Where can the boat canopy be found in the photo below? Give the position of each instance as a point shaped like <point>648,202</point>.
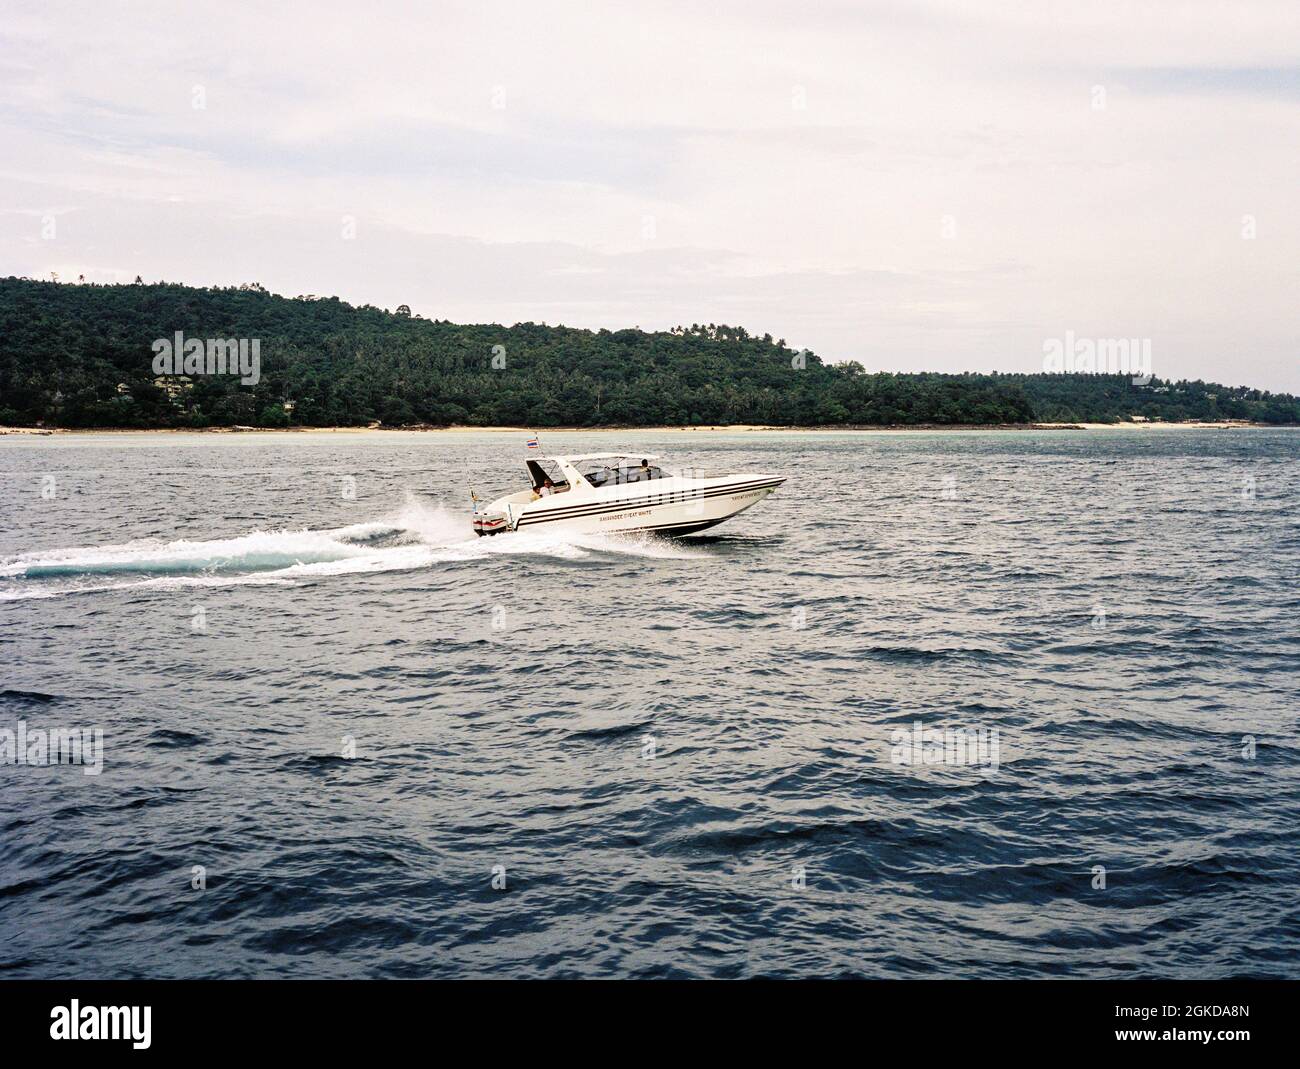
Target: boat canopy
<point>602,469</point>
<point>608,456</point>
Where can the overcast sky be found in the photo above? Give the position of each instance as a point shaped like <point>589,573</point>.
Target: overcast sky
<point>914,185</point>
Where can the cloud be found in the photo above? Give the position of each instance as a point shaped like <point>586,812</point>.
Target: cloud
<point>915,185</point>
<point>1280,82</point>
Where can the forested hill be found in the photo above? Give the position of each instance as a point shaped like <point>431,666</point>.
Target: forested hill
<point>81,356</point>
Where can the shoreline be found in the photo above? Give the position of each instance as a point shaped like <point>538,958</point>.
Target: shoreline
<point>726,428</point>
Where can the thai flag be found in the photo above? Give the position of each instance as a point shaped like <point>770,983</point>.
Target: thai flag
<point>533,443</point>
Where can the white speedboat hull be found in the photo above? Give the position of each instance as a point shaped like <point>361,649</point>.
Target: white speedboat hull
<point>667,504</point>
<point>696,505</point>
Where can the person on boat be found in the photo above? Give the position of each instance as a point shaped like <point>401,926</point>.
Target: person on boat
<point>545,490</point>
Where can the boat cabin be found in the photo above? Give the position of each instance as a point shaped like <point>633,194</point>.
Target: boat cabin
<point>602,469</point>
<point>540,470</point>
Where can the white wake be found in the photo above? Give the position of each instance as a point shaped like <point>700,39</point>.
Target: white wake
<point>416,536</point>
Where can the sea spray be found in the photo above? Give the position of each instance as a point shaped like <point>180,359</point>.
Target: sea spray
<point>417,535</point>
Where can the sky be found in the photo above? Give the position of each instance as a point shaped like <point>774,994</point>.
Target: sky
<point>914,185</point>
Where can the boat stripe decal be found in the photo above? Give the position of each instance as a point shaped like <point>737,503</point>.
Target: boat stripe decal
<point>673,498</point>
<point>597,508</point>
<point>584,515</point>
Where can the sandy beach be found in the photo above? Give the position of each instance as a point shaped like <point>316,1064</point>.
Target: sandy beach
<point>733,428</point>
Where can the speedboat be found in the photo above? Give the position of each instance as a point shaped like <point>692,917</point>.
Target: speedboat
<point>619,492</point>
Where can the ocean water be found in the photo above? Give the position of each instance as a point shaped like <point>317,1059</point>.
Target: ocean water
<point>342,737</point>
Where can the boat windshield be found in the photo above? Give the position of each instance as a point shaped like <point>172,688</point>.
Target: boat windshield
<point>618,472</point>
<point>540,470</point>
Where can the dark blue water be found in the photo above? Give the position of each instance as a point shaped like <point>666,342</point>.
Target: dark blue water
<point>679,757</point>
